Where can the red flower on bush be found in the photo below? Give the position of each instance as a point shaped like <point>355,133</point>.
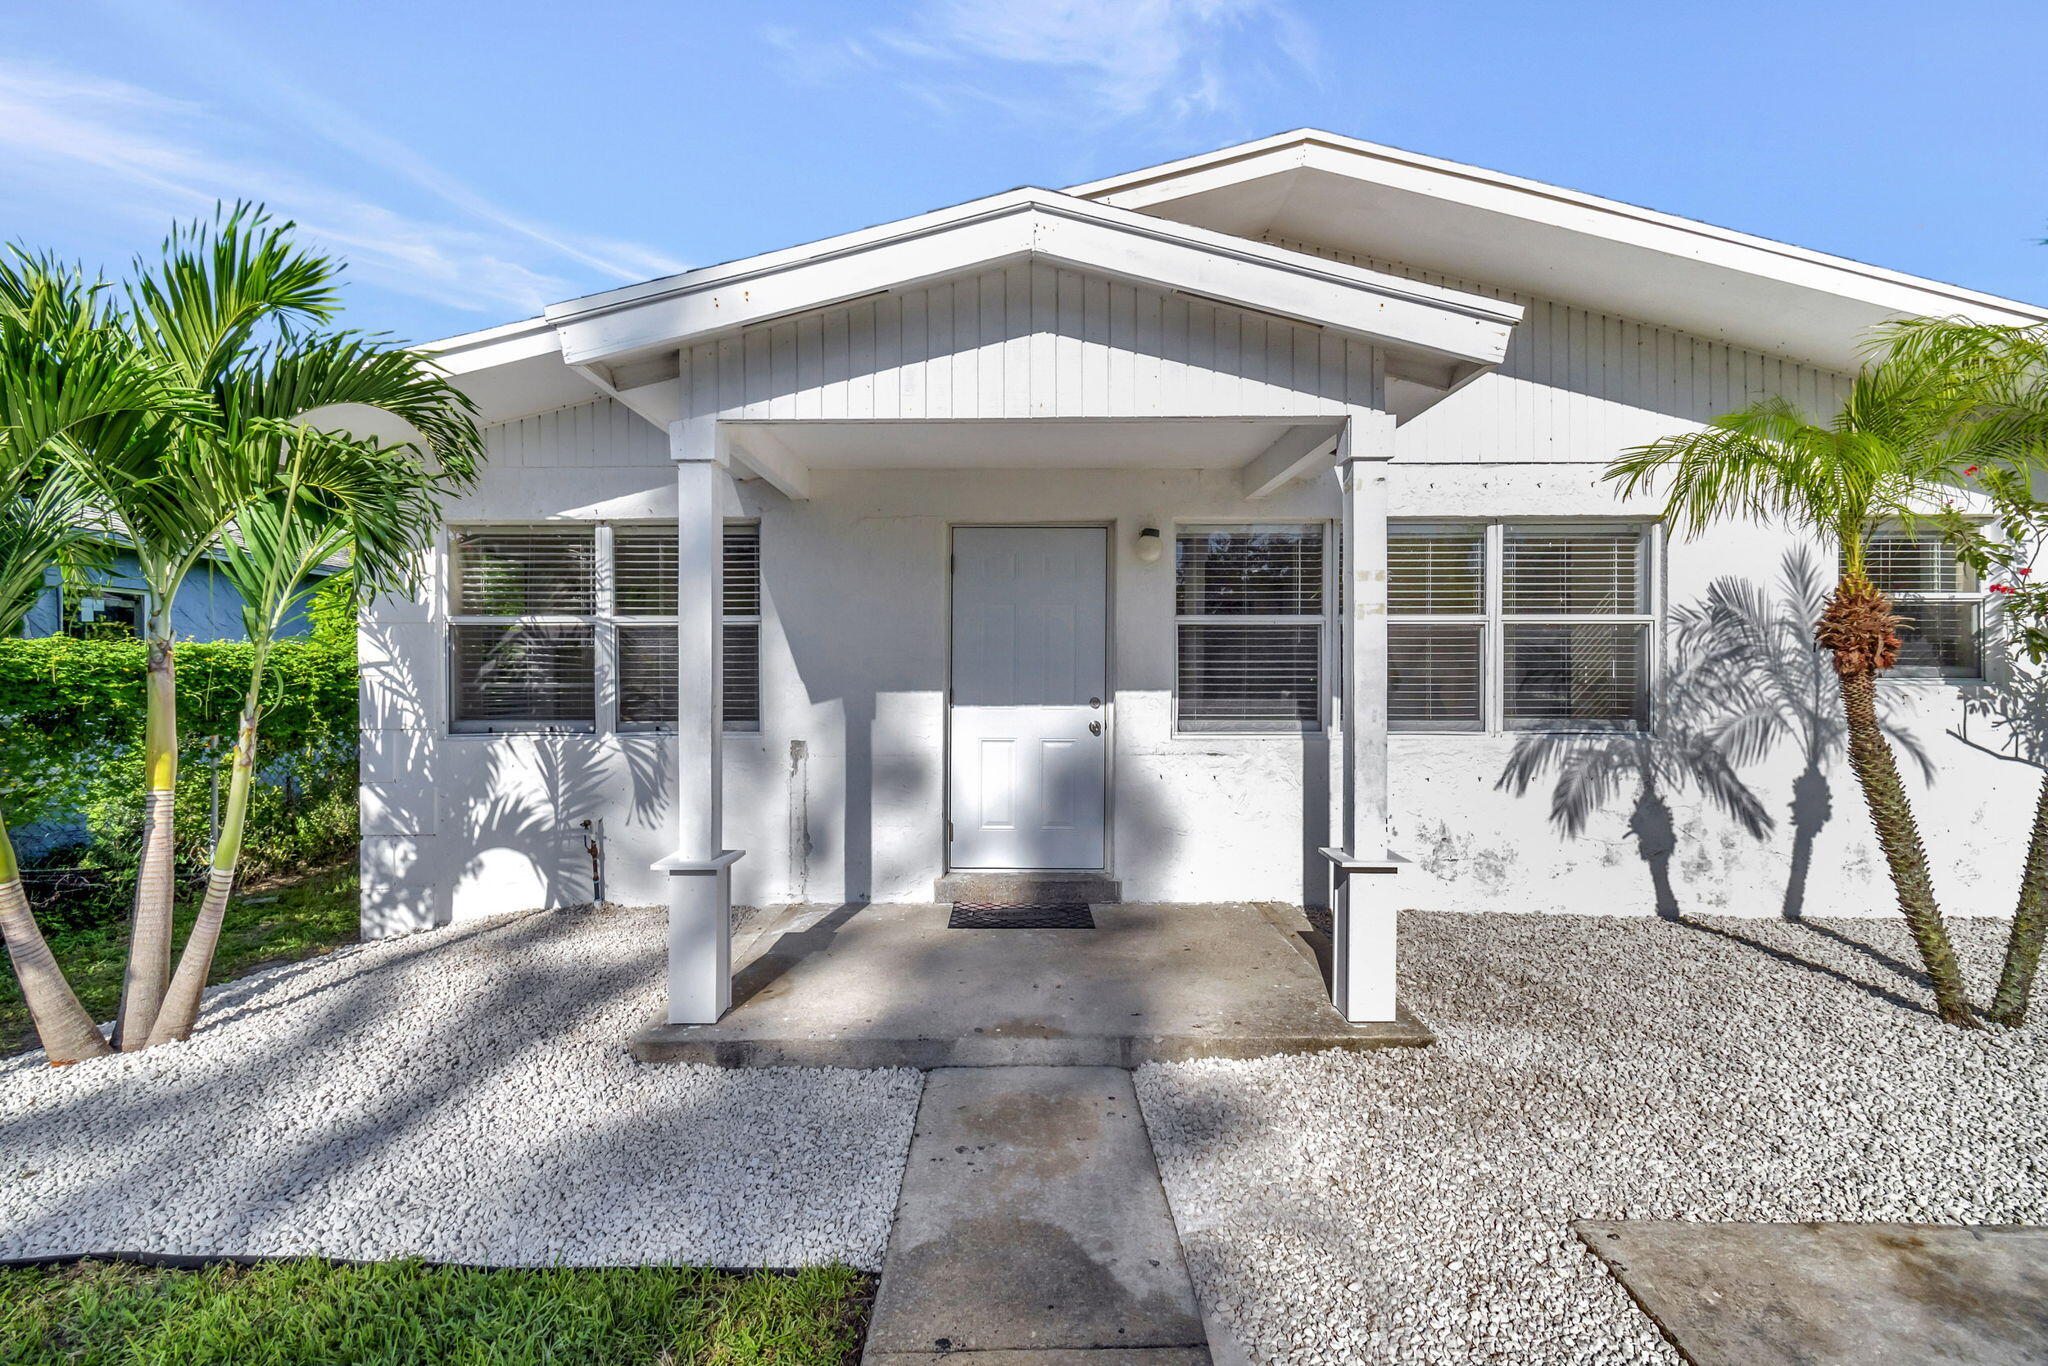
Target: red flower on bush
<point>1971,473</point>
<point>2003,588</point>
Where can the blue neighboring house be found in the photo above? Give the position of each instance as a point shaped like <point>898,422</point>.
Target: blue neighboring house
<point>208,607</point>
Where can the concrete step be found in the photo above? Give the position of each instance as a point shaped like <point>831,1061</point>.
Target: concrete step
<point>1029,889</point>
<point>1032,1224</point>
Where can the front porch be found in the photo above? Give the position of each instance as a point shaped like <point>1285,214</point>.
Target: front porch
<point>892,986</point>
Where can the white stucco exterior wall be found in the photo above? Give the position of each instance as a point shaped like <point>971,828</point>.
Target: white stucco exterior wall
<point>841,794</point>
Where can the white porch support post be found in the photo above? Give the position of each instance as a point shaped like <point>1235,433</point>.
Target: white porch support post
<point>1362,904</point>
<point>700,870</point>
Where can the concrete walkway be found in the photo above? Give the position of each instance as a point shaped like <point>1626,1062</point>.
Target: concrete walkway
<point>892,986</point>
<point>1032,1228</point>
<point>1836,1294</point>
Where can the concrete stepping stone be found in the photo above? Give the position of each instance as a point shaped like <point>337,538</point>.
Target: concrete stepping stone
<point>1032,1225</point>
<point>1836,1294</point>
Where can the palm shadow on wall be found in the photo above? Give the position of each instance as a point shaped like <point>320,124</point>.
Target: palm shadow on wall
<point>1742,679</point>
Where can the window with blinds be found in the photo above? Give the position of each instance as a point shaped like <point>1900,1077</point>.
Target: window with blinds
<point>1517,626</point>
<point>1938,598</point>
<point>1250,617</point>
<point>1436,637</point>
<point>534,625</point>
<point>522,640</point>
<point>742,626</point>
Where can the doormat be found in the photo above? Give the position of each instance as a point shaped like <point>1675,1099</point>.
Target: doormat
<point>979,915</point>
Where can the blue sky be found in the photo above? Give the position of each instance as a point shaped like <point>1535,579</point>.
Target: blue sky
<point>474,162</point>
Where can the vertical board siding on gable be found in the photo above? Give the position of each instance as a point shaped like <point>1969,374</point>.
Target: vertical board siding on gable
<point>1581,386</point>
<point>1028,340</point>
<point>588,436</point>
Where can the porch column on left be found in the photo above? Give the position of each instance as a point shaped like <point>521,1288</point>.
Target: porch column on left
<point>700,869</point>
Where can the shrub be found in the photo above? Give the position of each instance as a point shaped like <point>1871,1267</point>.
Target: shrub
<point>71,747</point>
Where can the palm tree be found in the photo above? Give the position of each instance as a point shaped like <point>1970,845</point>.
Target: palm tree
<point>1902,440</point>
<point>374,503</point>
<point>2008,367</point>
<point>223,312</point>
<point>66,372</point>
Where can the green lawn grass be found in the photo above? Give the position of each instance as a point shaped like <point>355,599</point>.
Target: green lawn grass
<point>305,1312</point>
<point>289,920</point>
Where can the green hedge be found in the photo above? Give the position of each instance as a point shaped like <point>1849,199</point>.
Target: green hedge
<point>71,723</point>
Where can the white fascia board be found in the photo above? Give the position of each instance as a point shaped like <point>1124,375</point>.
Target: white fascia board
<point>1468,328</point>
<point>1551,206</point>
<point>494,346</point>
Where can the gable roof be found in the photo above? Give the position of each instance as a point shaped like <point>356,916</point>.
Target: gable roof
<point>1388,205</point>
<point>610,332</point>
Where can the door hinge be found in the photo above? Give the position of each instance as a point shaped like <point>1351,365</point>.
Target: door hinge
<point>949,832</point>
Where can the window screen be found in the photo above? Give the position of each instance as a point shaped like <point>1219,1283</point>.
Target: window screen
<point>533,625</point>
<point>1938,598</point>
<point>1436,641</point>
<point>1250,620</point>
<point>1573,672</point>
<point>522,650</point>
<point>1517,626</point>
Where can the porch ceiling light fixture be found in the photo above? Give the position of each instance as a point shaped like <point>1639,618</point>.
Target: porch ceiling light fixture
<point>1151,545</point>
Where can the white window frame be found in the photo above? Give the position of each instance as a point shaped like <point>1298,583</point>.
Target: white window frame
<point>1326,662</point>
<point>1494,619</point>
<point>1982,624</point>
<point>605,623</point>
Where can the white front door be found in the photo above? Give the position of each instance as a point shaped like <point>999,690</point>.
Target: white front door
<point>1030,674</point>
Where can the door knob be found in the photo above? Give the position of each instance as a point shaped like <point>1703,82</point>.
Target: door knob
<point>1095,728</point>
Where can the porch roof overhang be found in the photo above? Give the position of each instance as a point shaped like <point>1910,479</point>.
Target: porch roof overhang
<point>1385,204</point>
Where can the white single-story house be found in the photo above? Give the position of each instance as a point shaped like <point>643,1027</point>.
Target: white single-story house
<point>1229,530</point>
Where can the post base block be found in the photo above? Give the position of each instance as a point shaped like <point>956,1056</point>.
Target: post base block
<point>1364,936</point>
<point>699,936</point>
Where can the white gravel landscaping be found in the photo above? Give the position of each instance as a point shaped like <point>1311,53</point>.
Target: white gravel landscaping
<point>462,1095</point>
<point>1412,1205</point>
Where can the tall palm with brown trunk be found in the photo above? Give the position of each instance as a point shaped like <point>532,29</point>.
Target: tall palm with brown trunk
<point>225,311</point>
<point>1898,447</point>
<point>67,372</point>
<point>2008,367</point>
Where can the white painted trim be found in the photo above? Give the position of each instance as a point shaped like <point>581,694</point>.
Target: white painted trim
<point>1295,455</point>
<point>760,450</point>
<point>1469,330</point>
<point>1551,205</point>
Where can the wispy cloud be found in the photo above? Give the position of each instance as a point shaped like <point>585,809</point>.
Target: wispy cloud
<point>118,148</point>
<point>1087,62</point>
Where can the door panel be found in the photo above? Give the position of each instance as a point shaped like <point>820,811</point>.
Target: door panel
<point>1030,673</point>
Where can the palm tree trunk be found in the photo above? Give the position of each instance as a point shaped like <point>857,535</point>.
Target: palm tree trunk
<point>149,936</point>
<point>67,1033</point>
<point>2029,925</point>
<point>180,1009</point>
<point>1898,834</point>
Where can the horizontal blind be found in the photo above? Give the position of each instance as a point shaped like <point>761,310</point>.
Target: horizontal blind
<point>1899,561</point>
<point>1436,570</point>
<point>1592,673</point>
<point>524,673</point>
<point>644,568</point>
<point>742,675</point>
<point>1249,571</point>
<point>1434,677</point>
<point>1246,677</point>
<point>742,570</point>
<point>647,675</point>
<point>525,573</point>
<point>1573,570</point>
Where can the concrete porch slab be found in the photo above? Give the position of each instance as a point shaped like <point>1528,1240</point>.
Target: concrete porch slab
<point>891,986</point>
<point>1835,1294</point>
